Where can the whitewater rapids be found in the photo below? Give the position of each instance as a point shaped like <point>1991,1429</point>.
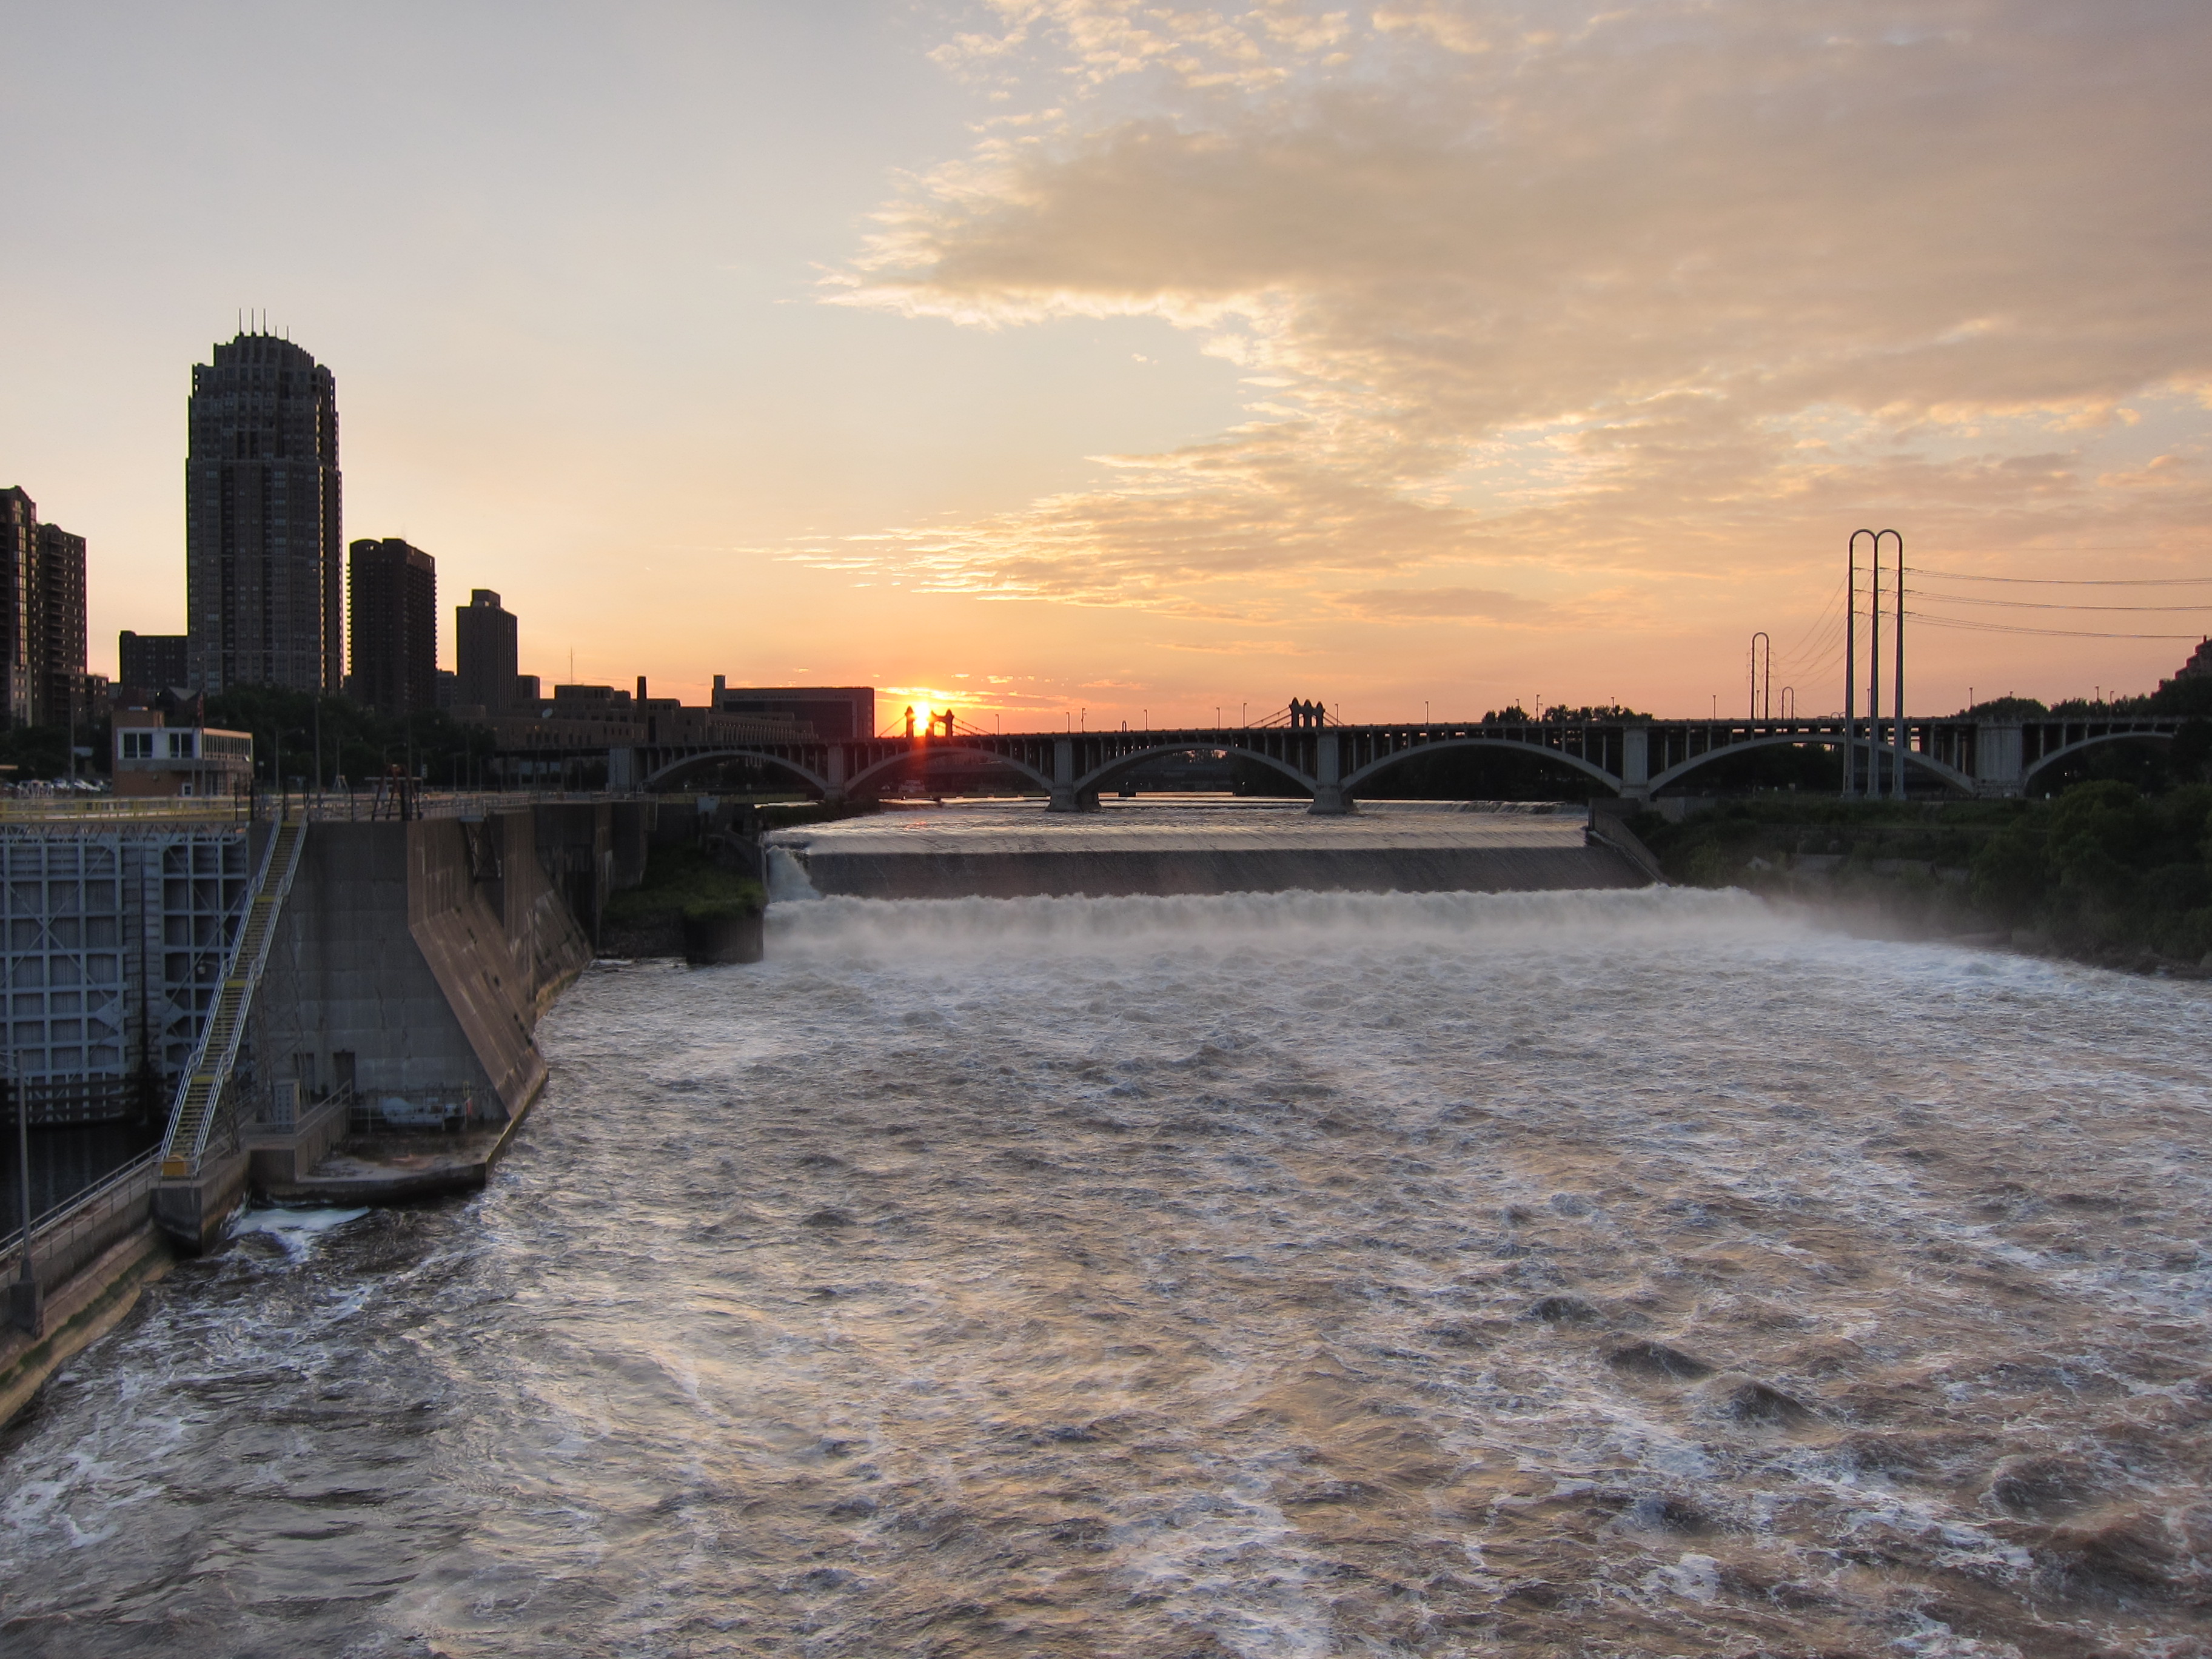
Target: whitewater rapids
<point>1294,1274</point>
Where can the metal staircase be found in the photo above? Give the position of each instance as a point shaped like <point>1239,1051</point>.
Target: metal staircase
<point>200,1089</point>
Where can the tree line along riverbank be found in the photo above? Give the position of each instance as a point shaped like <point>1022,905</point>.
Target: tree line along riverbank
<point>2106,872</point>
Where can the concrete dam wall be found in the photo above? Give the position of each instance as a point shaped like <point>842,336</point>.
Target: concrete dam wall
<point>409,960</point>
<point>1010,854</point>
<point>1117,873</point>
<point>418,957</point>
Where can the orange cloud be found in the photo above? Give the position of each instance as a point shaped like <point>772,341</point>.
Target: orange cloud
<point>1652,289</point>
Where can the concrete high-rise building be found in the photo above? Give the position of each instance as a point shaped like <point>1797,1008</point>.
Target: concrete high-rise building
<point>485,653</point>
<point>59,690</point>
<point>393,591</point>
<point>42,674</point>
<point>263,586</point>
<point>150,662</point>
<point>19,563</point>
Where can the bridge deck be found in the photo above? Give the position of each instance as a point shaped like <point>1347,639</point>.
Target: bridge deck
<point>1632,756</point>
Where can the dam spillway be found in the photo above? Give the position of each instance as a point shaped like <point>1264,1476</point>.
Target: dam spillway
<point>995,850</point>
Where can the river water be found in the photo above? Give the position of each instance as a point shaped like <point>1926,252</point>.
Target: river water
<point>1629,1273</point>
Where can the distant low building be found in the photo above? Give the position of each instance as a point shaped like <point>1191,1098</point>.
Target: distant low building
<point>668,722</point>
<point>152,756</point>
<point>830,711</point>
<point>2199,665</point>
<point>539,739</point>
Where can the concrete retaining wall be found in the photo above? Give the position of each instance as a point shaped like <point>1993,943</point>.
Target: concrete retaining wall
<point>279,1160</point>
<point>66,1245</point>
<point>418,955</point>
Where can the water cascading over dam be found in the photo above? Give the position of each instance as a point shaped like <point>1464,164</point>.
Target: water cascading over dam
<point>1214,846</point>
<point>1258,1274</point>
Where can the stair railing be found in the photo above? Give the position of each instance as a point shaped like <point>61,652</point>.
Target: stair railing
<point>187,1138</point>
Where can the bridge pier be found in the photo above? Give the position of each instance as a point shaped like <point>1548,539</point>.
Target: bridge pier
<point>1330,800</point>
<point>1066,797</point>
<point>1999,760</point>
<point>1635,763</point>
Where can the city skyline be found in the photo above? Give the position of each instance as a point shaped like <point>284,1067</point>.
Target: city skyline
<point>1037,358</point>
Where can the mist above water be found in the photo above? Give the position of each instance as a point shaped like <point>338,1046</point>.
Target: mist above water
<point>1289,1274</point>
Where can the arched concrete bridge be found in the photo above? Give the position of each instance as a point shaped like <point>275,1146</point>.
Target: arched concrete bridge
<point>1633,758</point>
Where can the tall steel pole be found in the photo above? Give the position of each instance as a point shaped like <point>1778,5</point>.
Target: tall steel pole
<point>1897,650</point>
<point>1851,661</point>
<point>1874,675</point>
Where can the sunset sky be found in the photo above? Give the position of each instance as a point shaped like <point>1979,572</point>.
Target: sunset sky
<point>1046,356</point>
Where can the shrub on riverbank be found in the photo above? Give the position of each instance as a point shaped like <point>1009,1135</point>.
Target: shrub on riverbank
<point>2103,868</point>
<point>680,883</point>
<point>2104,865</point>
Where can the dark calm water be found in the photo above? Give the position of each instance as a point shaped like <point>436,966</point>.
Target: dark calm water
<point>1619,1273</point>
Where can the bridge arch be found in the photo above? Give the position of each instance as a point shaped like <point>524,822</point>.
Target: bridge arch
<point>860,779</point>
<point>1386,761</point>
<point>1950,774</point>
<point>812,779</point>
<point>1092,782</point>
<point>2064,751</point>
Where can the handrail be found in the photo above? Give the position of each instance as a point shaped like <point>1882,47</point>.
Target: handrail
<point>46,1220</point>
<point>44,1229</point>
<point>226,1020</point>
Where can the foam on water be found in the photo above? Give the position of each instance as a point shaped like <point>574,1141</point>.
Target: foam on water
<point>293,1229</point>
<point>1299,1273</point>
<point>924,931</point>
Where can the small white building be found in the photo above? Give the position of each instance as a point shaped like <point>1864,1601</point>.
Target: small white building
<point>153,757</point>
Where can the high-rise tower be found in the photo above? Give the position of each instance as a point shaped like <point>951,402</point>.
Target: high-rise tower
<point>264,584</point>
<point>19,563</point>
<point>58,691</point>
<point>42,677</point>
<point>484,652</point>
<point>394,590</point>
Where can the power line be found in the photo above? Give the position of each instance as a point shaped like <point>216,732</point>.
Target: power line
<point>2033,604</point>
<point>2049,632</point>
<point>1820,642</point>
<point>2070,581</point>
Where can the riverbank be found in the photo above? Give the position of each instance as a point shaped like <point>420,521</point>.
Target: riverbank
<point>2103,874</point>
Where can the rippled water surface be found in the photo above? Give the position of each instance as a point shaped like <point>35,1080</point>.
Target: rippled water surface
<point>1620,1273</point>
